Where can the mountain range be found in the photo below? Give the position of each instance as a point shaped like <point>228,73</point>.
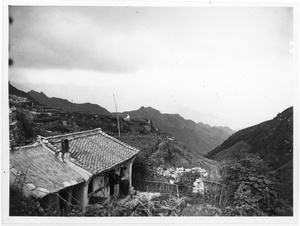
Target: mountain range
<point>198,137</point>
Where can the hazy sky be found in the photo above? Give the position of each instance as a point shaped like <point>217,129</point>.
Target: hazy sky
<point>226,66</point>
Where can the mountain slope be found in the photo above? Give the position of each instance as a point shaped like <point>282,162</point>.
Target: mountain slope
<point>66,105</point>
<point>13,90</point>
<point>271,140</point>
<point>285,175</point>
<point>200,138</point>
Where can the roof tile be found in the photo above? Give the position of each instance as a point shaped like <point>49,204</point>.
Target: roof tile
<point>44,172</point>
<point>94,150</point>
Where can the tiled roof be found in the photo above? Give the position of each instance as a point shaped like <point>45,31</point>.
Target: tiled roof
<point>44,172</point>
<point>93,150</point>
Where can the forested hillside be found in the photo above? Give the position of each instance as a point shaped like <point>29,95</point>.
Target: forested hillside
<point>271,140</point>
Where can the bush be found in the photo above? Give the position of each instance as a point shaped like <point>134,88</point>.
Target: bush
<point>21,205</point>
<point>252,188</point>
<point>26,124</point>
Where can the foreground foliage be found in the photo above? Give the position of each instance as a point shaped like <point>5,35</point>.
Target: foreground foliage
<point>251,188</point>
<point>167,205</point>
<point>20,205</point>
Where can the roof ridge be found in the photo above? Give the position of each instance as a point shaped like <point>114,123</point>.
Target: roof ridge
<point>37,143</point>
<point>86,133</point>
<point>118,141</point>
<point>70,134</point>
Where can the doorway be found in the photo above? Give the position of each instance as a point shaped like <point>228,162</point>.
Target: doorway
<point>111,178</point>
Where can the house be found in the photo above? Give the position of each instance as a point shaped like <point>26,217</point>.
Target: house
<point>103,164</point>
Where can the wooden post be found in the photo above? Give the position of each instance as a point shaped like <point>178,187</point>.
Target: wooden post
<point>221,197</point>
<point>117,116</point>
<point>58,201</point>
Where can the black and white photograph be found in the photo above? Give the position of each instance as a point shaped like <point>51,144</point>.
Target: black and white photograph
<point>150,112</point>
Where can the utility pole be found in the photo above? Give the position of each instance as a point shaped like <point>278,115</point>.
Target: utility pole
<point>117,116</point>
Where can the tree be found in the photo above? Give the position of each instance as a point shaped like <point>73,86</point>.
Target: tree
<point>26,125</point>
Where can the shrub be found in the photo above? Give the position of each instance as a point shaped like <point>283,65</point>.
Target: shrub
<point>21,205</point>
<point>252,188</point>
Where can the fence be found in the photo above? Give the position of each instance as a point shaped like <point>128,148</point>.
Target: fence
<point>154,186</point>
<point>213,190</point>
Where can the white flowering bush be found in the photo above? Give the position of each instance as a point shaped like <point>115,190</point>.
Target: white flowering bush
<point>198,186</point>
<point>186,177</point>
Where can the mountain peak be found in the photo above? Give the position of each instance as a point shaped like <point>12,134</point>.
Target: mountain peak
<point>66,105</point>
<point>41,94</point>
<point>151,109</point>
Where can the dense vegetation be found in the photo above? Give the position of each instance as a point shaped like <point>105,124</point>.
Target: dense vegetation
<point>272,144</point>
<point>158,150</point>
<point>252,188</point>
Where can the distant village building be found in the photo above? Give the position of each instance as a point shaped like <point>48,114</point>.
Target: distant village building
<point>148,126</point>
<point>74,168</point>
<point>150,122</point>
<point>127,118</point>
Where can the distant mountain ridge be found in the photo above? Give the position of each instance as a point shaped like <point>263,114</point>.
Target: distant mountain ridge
<point>66,105</point>
<point>199,137</point>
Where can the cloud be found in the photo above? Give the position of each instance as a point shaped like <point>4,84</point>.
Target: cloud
<point>125,39</point>
<point>47,37</point>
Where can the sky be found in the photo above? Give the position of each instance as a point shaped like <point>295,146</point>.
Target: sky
<point>223,66</point>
